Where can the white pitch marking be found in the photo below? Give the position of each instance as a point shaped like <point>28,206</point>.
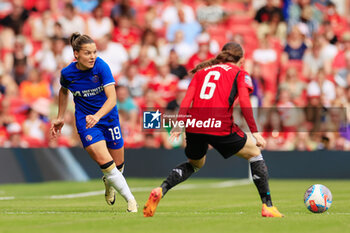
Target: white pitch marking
<point>223,184</point>
<point>76,195</point>
<point>6,198</point>
<point>40,212</point>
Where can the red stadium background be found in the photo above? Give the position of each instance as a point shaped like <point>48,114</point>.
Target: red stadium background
<point>297,52</point>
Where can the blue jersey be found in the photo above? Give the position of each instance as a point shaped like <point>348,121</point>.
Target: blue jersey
<point>87,86</point>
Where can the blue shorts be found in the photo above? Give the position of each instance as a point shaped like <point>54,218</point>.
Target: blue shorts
<point>107,129</point>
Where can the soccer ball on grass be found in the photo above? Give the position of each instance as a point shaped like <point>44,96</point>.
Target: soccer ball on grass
<point>318,198</point>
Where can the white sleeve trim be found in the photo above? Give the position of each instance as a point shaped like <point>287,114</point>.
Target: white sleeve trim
<point>109,84</point>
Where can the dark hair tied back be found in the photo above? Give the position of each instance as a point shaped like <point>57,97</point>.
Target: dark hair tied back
<point>231,52</point>
<point>77,40</point>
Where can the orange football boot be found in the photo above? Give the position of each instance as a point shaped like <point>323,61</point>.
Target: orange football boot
<point>150,207</point>
<point>271,211</point>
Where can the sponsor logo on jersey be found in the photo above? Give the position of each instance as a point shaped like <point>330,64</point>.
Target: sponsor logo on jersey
<point>89,92</point>
<point>151,120</point>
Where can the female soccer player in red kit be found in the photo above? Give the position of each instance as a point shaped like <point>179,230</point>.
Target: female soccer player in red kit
<point>215,86</point>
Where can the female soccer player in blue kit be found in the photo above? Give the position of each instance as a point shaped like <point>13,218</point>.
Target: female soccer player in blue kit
<point>91,82</point>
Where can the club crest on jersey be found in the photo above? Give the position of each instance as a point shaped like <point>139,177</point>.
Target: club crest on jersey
<point>248,80</point>
<point>88,138</point>
<point>95,79</point>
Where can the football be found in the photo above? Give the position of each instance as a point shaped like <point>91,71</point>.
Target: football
<point>318,198</point>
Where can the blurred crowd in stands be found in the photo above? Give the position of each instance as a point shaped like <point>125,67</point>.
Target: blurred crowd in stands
<point>297,52</point>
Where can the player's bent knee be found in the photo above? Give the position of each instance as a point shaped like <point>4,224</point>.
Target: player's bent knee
<point>254,152</point>
<point>99,153</point>
<point>253,155</point>
<point>249,151</point>
<point>197,164</point>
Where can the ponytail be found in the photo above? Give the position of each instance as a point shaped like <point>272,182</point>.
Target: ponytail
<point>231,52</point>
<point>204,64</point>
<point>73,37</point>
<point>77,40</point>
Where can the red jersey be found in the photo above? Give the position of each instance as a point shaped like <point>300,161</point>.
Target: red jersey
<point>212,93</point>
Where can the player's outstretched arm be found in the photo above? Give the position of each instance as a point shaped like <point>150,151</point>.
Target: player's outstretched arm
<point>244,101</point>
<point>246,107</point>
<point>58,123</point>
<point>244,85</point>
<point>111,101</point>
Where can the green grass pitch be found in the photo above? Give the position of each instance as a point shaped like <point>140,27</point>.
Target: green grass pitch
<point>198,205</point>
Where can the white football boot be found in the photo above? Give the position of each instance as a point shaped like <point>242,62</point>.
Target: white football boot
<point>109,192</point>
<point>132,206</point>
